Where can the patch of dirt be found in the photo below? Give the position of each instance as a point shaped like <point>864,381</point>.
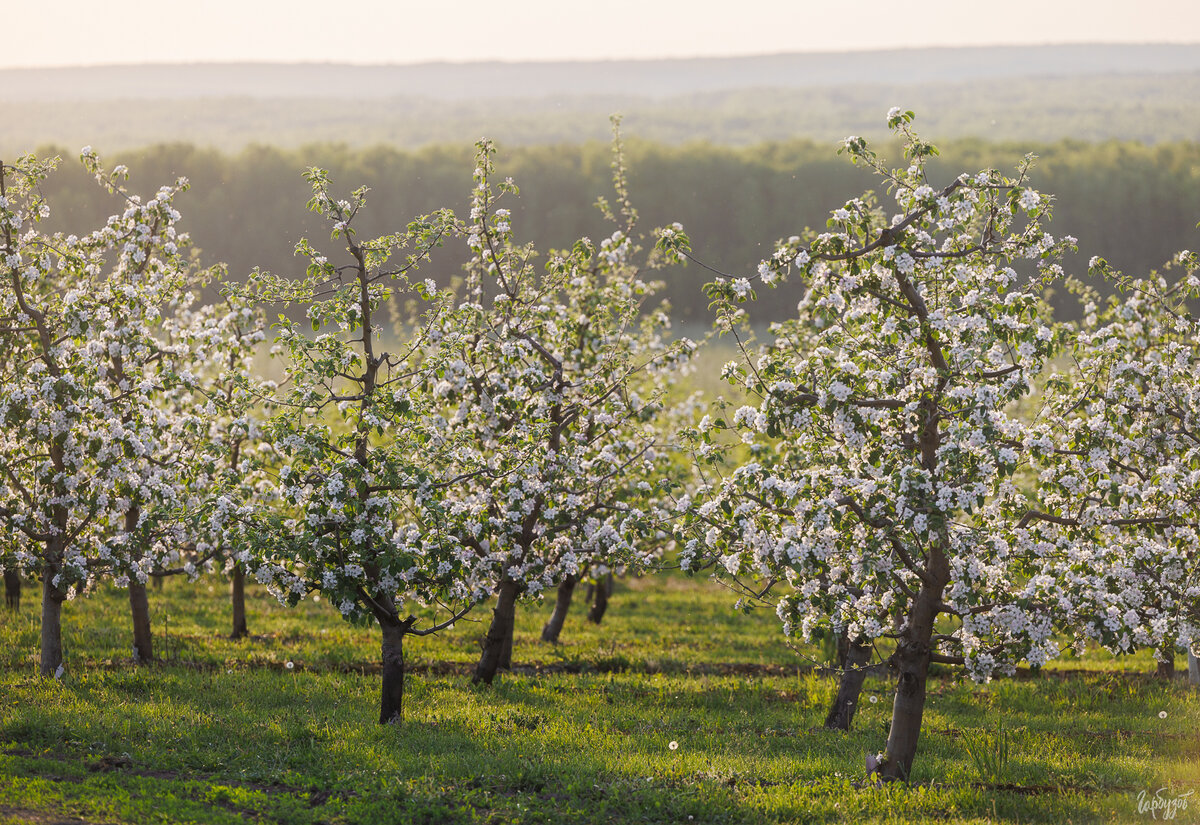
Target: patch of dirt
<point>111,762</point>
<point>122,763</point>
<point>43,817</point>
<point>1042,790</point>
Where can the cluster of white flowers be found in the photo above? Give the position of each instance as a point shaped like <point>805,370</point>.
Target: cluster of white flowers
<point>557,389</point>
<point>105,451</point>
<point>1128,474</point>
<point>891,475</point>
<point>506,441</point>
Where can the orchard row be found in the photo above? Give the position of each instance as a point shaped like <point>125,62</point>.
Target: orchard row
<point>928,464</point>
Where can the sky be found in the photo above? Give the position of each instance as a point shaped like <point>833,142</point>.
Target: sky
<point>87,32</point>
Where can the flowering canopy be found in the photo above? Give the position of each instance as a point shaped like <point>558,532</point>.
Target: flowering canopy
<point>361,464</point>
<point>883,445</point>
<point>100,437</point>
<point>234,402</point>
<point>556,378</point>
<point>1124,485</point>
<point>88,431</point>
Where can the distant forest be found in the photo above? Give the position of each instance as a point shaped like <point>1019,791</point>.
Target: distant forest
<point>1132,203</point>
<point>1150,108</point>
<point>1148,93</point>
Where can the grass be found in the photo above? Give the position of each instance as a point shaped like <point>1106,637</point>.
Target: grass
<point>222,732</point>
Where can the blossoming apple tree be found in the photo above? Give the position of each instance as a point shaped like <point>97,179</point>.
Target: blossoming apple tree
<point>93,467</point>
<point>364,461</point>
<point>557,376</point>
<point>1125,484</point>
<point>883,491</point>
<point>233,401</point>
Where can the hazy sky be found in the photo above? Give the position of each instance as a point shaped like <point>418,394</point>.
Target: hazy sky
<point>84,32</point>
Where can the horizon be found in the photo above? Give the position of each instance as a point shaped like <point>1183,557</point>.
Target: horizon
<point>554,60</point>
<point>386,32</point>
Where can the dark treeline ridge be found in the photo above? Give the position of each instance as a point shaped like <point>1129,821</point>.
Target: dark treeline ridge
<point>1131,203</point>
<point>654,77</point>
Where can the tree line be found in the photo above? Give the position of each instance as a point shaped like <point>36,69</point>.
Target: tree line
<point>1132,203</point>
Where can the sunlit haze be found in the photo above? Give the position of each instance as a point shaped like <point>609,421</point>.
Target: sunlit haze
<point>391,31</point>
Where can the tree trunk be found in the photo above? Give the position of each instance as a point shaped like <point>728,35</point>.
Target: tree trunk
<point>854,672</point>
<point>562,604</point>
<point>139,604</point>
<point>52,599</point>
<point>911,662</point>
<point>843,650</point>
<point>603,590</point>
<point>139,608</point>
<point>506,650</point>
<point>12,588</point>
<point>391,701</point>
<point>1166,665</point>
<point>237,590</point>
<point>499,634</point>
<point>1193,669</point>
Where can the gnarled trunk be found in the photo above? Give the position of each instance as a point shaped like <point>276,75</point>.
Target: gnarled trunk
<point>139,609</point>
<point>854,671</point>
<point>562,604</point>
<point>237,592</point>
<point>1166,665</point>
<point>391,701</point>
<point>602,591</point>
<point>497,646</point>
<point>12,588</point>
<point>52,599</point>
<point>911,663</point>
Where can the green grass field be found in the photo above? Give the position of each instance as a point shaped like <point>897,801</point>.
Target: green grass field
<point>223,731</point>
